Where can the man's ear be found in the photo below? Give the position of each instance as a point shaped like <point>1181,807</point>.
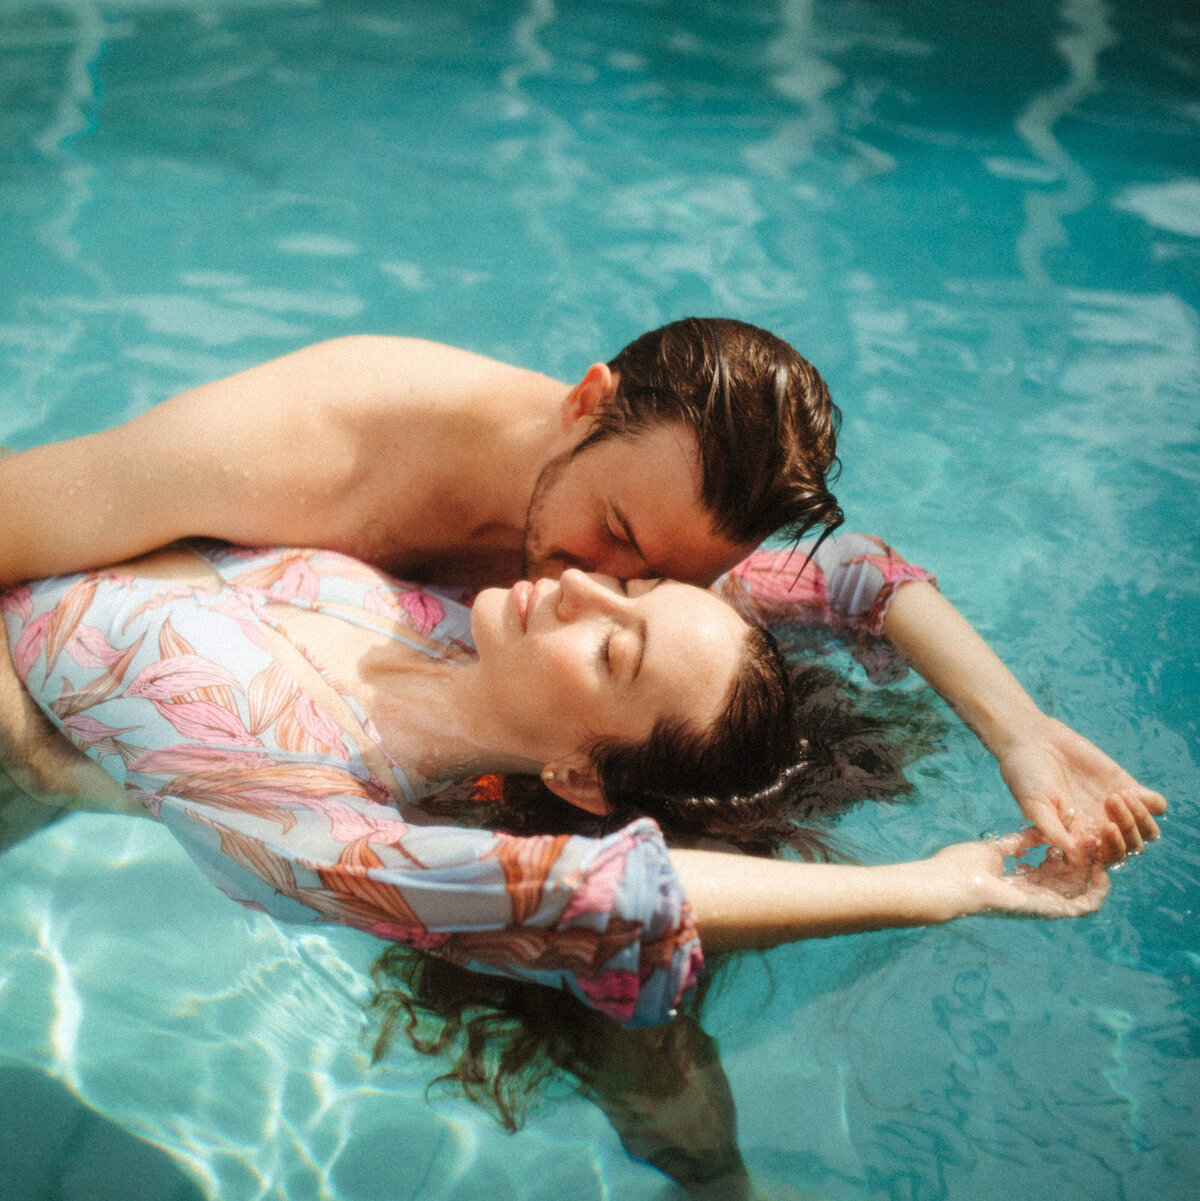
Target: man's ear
<point>598,385</point>
<point>578,786</point>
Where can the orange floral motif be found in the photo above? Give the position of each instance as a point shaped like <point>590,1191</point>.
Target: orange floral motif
<point>66,615</point>
<point>488,790</point>
<point>527,863</point>
<point>271,790</point>
<point>270,692</point>
<point>304,728</point>
<point>370,901</point>
<point>578,950</point>
<point>75,700</point>
<point>254,856</point>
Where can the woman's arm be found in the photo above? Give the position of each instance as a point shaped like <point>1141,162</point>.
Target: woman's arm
<point>743,902</point>
<point>1086,803</point>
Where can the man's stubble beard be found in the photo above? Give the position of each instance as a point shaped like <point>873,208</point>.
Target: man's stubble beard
<point>534,553</point>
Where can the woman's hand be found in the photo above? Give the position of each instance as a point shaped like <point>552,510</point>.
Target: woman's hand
<point>973,873</point>
<point>1086,804</point>
<point>742,901</point>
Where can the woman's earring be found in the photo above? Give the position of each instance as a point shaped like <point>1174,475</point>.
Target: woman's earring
<point>547,776</point>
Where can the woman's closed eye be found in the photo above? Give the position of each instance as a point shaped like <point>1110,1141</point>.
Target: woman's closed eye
<point>606,651</point>
<point>622,650</point>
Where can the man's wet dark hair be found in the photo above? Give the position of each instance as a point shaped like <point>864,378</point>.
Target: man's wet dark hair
<point>762,416</point>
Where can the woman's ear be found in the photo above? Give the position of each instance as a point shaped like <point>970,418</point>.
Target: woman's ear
<point>578,786</point>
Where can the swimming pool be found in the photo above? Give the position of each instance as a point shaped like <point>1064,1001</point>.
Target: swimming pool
<point>982,223</point>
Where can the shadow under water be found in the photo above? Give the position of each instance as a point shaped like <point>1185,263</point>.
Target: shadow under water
<point>53,1146</point>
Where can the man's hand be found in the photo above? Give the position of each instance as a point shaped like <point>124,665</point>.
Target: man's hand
<point>1086,804</point>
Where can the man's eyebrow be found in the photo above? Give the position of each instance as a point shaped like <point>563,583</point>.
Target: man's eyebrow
<point>626,528</point>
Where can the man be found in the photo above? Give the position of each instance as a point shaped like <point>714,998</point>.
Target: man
<point>675,459</point>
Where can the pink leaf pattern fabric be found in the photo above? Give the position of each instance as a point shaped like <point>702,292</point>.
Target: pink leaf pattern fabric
<point>89,648</point>
<point>30,644</point>
<point>92,692</point>
<point>305,728</point>
<point>88,729</point>
<point>66,616</point>
<point>527,863</point>
<point>205,722</point>
<point>424,610</point>
<point>171,679</point>
<point>17,601</point>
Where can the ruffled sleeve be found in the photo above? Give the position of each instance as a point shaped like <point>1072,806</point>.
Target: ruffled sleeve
<point>847,586</point>
<point>603,918</point>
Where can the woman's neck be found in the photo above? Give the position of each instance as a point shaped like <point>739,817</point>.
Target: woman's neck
<point>429,722</point>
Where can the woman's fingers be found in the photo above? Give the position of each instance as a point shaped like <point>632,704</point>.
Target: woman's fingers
<point>1155,802</point>
<point>1130,823</point>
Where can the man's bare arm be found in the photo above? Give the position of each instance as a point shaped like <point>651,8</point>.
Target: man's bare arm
<point>335,445</point>
<point>249,458</point>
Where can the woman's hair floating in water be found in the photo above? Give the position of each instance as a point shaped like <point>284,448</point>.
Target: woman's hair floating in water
<point>506,1040</point>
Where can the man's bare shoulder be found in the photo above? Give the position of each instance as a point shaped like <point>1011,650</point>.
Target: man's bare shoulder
<point>364,373</point>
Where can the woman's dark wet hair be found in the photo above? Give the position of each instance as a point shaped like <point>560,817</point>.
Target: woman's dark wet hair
<point>698,783</point>
<point>506,1040</point>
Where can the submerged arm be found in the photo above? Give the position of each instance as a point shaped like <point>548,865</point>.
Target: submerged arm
<point>666,1094</point>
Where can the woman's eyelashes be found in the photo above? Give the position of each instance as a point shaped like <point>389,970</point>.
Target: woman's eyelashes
<point>606,651</point>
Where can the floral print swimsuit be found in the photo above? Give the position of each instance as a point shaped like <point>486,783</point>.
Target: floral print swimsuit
<point>202,703</point>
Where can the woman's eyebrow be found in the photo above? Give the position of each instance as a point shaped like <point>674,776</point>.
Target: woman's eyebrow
<point>643,632</point>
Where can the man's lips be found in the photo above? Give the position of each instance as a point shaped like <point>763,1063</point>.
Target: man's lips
<point>522,594</point>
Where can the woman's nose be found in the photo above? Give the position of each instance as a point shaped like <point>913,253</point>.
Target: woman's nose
<point>582,594</point>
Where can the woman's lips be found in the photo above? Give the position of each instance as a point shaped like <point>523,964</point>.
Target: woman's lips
<point>522,592</point>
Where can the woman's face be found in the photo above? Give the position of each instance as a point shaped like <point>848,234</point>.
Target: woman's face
<point>567,661</point>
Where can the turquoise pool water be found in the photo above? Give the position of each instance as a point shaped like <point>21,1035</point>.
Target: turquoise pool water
<point>982,221</point>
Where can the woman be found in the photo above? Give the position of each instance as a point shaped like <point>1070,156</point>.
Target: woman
<point>273,709</point>
<point>285,712</point>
